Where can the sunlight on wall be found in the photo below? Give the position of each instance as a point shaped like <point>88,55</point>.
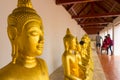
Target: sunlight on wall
<point>117,40</point>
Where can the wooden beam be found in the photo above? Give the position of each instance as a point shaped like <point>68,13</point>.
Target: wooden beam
<point>114,5</point>
<point>118,1</point>
<point>101,7</point>
<point>93,23</point>
<point>92,8</point>
<point>65,2</point>
<point>74,11</point>
<point>68,6</point>
<point>71,7</point>
<point>97,15</point>
<point>83,8</point>
<point>95,27</point>
<point>92,30</point>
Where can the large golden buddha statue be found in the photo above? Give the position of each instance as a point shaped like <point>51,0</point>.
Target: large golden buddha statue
<point>25,31</point>
<point>70,61</point>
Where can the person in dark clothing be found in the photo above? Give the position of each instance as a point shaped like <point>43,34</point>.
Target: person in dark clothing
<point>98,42</point>
<point>110,44</point>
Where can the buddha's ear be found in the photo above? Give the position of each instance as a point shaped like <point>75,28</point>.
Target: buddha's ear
<point>12,33</point>
<point>66,45</point>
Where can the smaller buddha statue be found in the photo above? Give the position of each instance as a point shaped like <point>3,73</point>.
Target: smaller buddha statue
<point>89,50</point>
<point>79,57</point>
<point>69,60</point>
<point>84,55</point>
<point>25,31</point>
<point>89,65</point>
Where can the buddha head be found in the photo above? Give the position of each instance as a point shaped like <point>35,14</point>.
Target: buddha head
<point>69,41</point>
<point>25,31</point>
<point>86,38</point>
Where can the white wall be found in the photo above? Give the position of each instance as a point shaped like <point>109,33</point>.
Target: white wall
<point>116,36</point>
<point>55,20</point>
<point>93,37</point>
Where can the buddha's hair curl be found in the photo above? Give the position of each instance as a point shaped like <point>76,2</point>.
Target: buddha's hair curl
<point>22,15</point>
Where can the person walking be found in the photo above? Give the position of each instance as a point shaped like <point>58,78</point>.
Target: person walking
<point>98,42</point>
<point>104,44</point>
<point>110,44</point>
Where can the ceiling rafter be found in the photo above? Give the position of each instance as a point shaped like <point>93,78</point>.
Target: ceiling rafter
<point>74,11</point>
<point>92,30</point>
<point>83,8</point>
<point>113,7</point>
<point>94,27</point>
<point>118,1</point>
<point>97,15</point>
<point>72,7</point>
<point>64,2</point>
<point>93,23</point>
<point>92,7</point>
<point>92,15</point>
<point>97,25</point>
<point>84,19</point>
<point>67,7</point>
<point>97,4</point>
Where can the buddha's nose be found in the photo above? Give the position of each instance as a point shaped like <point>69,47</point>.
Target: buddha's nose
<point>41,39</point>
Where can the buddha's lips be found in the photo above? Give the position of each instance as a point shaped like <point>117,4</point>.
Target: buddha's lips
<point>39,47</point>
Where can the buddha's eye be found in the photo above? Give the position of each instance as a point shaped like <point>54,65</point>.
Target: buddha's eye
<point>34,33</point>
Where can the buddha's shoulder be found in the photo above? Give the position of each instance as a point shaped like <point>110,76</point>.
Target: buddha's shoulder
<point>6,67</point>
<point>42,62</point>
<point>6,71</point>
<point>43,66</point>
<point>67,54</point>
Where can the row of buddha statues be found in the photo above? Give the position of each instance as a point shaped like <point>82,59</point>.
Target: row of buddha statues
<point>77,58</point>
<point>26,33</point>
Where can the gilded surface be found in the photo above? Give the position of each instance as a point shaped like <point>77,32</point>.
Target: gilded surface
<point>70,61</point>
<point>77,58</point>
<point>25,31</point>
<point>87,59</point>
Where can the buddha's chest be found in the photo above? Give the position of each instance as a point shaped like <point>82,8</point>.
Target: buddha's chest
<point>21,73</point>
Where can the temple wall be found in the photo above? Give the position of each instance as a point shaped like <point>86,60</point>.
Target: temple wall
<point>55,20</point>
<point>93,37</point>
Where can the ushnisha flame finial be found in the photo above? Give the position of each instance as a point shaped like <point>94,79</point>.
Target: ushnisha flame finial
<point>68,31</point>
<point>68,35</point>
<point>24,3</point>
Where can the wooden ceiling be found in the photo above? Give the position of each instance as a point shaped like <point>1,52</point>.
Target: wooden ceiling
<point>92,15</point>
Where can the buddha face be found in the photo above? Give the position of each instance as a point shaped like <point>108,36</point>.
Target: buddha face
<point>31,39</point>
<point>72,44</point>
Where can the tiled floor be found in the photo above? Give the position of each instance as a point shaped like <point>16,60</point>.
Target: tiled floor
<point>111,66</point>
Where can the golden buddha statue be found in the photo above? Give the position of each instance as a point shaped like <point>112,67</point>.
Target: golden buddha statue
<point>25,31</point>
<point>88,46</point>
<point>87,60</point>
<point>84,54</point>
<point>69,60</point>
<point>79,58</point>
